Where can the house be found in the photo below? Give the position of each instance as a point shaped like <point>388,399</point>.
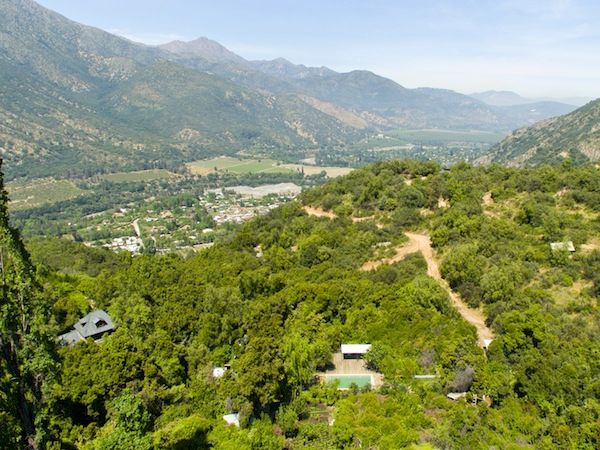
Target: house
<point>456,395</point>
<point>563,246</point>
<point>94,325</point>
<point>355,351</point>
<point>232,419</point>
<point>218,372</point>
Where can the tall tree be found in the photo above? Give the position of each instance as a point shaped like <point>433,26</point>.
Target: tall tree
<point>26,347</point>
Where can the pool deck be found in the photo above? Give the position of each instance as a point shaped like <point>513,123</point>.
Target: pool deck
<point>355,367</point>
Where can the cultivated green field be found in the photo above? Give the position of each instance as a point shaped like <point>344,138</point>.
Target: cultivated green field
<point>140,175</point>
<point>236,165</point>
<point>445,136</point>
<point>30,194</point>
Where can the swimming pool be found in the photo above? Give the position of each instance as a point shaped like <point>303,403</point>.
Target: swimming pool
<point>347,380</point>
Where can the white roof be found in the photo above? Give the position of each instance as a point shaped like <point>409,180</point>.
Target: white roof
<point>568,245</point>
<point>218,372</point>
<point>487,342</point>
<point>355,348</point>
<point>232,419</point>
<point>456,395</point>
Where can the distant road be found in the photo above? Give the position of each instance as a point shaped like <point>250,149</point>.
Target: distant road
<point>136,227</point>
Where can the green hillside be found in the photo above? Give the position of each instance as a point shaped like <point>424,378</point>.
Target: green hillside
<point>420,262</point>
<point>75,100</point>
<point>575,136</point>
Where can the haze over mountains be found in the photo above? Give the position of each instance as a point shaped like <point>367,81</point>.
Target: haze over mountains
<point>509,98</point>
<point>75,100</point>
<point>378,100</point>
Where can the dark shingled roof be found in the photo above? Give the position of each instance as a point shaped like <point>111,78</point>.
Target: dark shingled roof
<point>93,325</point>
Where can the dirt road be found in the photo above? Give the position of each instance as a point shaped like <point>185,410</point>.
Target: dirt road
<point>421,243</point>
<point>318,212</point>
<point>136,227</point>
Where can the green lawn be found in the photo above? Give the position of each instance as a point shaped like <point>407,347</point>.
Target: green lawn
<point>141,175</point>
<point>30,194</point>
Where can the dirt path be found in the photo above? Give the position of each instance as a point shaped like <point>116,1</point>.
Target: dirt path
<point>421,243</point>
<point>136,227</point>
<point>318,212</point>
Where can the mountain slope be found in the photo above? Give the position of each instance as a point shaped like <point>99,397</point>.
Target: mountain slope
<point>76,100</point>
<point>575,136</point>
<point>204,48</point>
<point>377,101</point>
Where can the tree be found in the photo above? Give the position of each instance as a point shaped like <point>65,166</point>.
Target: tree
<point>26,348</point>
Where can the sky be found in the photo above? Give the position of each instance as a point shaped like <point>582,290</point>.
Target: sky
<point>538,48</point>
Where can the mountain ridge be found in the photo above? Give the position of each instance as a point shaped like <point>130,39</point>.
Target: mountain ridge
<point>575,136</point>
<point>366,94</point>
<point>75,100</point>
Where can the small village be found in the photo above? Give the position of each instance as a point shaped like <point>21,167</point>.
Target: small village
<point>188,225</point>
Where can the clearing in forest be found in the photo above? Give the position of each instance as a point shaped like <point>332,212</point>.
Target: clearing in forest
<point>318,212</point>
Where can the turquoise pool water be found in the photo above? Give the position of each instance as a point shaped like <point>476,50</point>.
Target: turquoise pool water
<point>347,380</point>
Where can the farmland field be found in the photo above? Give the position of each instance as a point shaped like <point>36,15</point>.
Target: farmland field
<point>141,175</point>
<point>31,194</point>
<point>331,172</point>
<point>436,135</point>
<point>235,165</point>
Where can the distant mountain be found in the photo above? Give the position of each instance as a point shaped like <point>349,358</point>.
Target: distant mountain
<point>575,136</point>
<point>363,99</point>
<point>521,109</point>
<point>205,48</point>
<point>577,101</point>
<point>281,67</point>
<point>77,100</point>
<point>535,112</point>
<point>500,98</point>
<point>377,101</point>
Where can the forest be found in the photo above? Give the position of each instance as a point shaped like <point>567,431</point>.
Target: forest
<point>273,300</point>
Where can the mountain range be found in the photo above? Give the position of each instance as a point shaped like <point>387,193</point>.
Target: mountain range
<point>509,98</point>
<point>75,100</point>
<point>379,101</point>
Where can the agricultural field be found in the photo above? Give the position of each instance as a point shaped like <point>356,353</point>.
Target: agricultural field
<point>241,166</point>
<point>33,193</point>
<point>332,172</point>
<point>140,175</point>
<point>447,136</point>
<point>236,165</point>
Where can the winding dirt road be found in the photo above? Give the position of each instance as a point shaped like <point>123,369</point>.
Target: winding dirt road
<point>421,243</point>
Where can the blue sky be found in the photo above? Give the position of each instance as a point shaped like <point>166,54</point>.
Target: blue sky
<point>545,48</point>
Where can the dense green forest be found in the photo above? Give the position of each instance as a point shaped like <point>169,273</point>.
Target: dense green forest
<point>277,298</point>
